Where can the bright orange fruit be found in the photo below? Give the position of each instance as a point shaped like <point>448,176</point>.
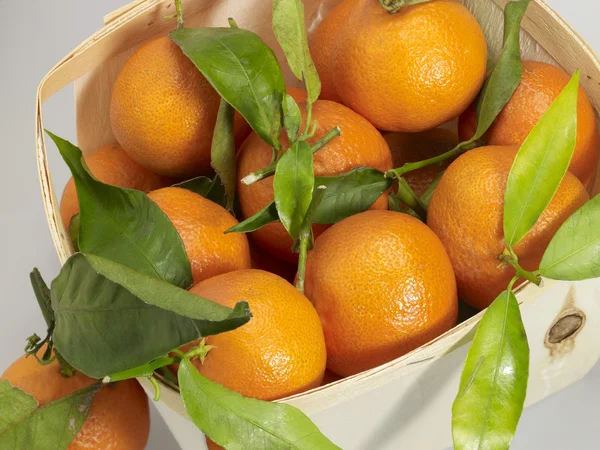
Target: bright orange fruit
<point>540,85</point>
<point>163,111</point>
<point>382,285</point>
<point>467,210</point>
<point>118,418</point>
<point>279,352</point>
<point>201,225</point>
<point>409,71</point>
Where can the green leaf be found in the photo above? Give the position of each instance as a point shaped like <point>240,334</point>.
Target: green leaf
<point>493,384</point>
<point>504,79</point>
<point>213,189</point>
<point>110,318</point>
<point>293,185</point>
<point>53,426</point>
<point>264,217</point>
<point>243,70</point>
<point>42,294</point>
<point>15,405</point>
<point>125,225</point>
<point>350,193</point>
<point>574,251</point>
<point>292,118</point>
<point>290,31</point>
<point>541,164</point>
<point>236,422</point>
<point>222,153</point>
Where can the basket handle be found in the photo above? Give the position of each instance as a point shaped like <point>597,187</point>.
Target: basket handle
<point>111,17</point>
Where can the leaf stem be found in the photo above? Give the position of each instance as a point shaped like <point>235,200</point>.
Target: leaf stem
<point>302,263</point>
<point>156,388</point>
<point>409,167</point>
<point>269,170</point>
<point>306,235</point>
<point>333,133</point>
<point>411,199</point>
<point>393,6</point>
<point>232,22</point>
<point>179,14</point>
<point>510,257</point>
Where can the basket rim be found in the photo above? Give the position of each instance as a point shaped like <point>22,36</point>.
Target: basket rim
<point>539,14</point>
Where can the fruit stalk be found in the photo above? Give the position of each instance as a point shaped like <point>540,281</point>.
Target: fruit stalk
<point>409,167</point>
<point>509,257</point>
<point>269,170</point>
<point>178,14</point>
<point>305,236</point>
<point>394,6</point>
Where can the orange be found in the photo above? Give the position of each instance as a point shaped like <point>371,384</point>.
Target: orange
<point>359,144</point>
<point>412,147</point>
<point>540,85</point>
<point>466,212</point>
<point>382,285</point>
<point>409,71</point>
<point>279,352</point>
<point>322,44</point>
<point>201,225</point>
<point>111,165</point>
<point>163,111</point>
<point>119,415</point>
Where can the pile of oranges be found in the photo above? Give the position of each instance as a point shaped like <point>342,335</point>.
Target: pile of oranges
<point>380,283</point>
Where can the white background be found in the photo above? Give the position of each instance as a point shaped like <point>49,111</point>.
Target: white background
<point>34,35</point>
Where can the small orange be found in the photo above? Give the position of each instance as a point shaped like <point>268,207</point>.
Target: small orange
<point>466,212</point>
<point>111,165</point>
<point>382,285</point>
<point>412,70</point>
<point>413,147</point>
<point>119,417</point>
<point>279,352</point>
<point>540,85</point>
<point>201,225</point>
<point>163,111</point>
<point>322,44</point>
<point>359,145</point>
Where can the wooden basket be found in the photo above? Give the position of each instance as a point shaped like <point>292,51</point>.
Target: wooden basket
<point>384,407</point>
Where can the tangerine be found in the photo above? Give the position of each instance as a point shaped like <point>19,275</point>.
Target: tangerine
<point>201,225</point>
<point>279,352</point>
<point>163,111</point>
<point>540,85</point>
<point>383,285</point>
<point>466,212</point>
<point>409,71</point>
<point>118,418</point>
